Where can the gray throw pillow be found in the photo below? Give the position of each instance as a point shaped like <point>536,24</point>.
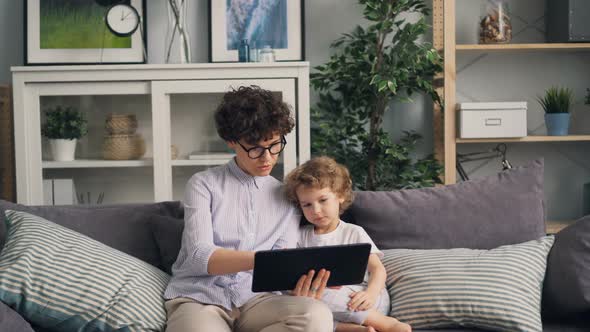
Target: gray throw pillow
<point>11,321</point>
<point>168,235</point>
<point>566,289</point>
<point>125,227</point>
<point>484,213</point>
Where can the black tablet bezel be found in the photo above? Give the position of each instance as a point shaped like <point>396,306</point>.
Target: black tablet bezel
<point>279,270</point>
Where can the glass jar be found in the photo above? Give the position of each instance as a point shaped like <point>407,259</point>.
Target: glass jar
<point>266,54</point>
<point>494,24</point>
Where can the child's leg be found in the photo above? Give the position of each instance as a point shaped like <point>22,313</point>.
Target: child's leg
<point>383,323</point>
<point>351,327</point>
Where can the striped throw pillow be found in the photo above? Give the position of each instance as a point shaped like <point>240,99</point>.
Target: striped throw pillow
<point>62,280</point>
<point>497,289</point>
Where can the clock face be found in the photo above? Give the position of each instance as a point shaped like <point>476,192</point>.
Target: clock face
<point>122,20</point>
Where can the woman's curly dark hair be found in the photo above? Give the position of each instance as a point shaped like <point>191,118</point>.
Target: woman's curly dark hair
<point>252,114</point>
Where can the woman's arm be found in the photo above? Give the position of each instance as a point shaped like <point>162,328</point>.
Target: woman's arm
<point>225,261</point>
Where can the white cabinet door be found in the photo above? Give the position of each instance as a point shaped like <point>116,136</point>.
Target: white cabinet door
<point>182,113</point>
<point>92,176</point>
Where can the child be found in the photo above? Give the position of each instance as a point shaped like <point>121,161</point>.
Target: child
<point>323,190</point>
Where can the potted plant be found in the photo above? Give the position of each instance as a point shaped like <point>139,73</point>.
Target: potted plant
<point>557,103</point>
<point>63,127</point>
<point>371,67</point>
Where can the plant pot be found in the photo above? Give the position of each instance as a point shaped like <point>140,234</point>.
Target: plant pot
<point>63,149</point>
<point>557,124</point>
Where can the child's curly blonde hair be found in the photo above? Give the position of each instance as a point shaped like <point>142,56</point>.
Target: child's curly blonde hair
<point>320,173</point>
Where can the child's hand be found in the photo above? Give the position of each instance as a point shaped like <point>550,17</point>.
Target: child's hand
<point>363,300</point>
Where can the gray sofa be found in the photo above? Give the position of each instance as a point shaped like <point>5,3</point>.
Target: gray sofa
<point>480,214</point>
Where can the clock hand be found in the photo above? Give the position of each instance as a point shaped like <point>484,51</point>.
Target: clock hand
<point>126,16</point>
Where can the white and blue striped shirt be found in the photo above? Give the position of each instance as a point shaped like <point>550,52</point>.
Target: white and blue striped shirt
<point>224,207</point>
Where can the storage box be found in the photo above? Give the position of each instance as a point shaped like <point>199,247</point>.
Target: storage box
<point>492,120</point>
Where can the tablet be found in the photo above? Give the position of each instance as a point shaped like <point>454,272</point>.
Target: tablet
<point>277,270</point>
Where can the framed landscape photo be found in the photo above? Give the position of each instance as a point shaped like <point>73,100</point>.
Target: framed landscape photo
<point>274,23</point>
<point>75,32</point>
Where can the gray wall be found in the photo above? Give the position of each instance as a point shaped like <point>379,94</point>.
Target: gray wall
<point>482,77</point>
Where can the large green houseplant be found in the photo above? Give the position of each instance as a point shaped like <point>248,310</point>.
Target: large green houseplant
<point>371,67</point>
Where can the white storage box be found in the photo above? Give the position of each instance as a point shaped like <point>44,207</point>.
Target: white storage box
<point>491,120</point>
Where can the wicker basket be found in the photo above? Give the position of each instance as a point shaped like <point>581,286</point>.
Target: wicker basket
<point>121,124</point>
<point>123,147</point>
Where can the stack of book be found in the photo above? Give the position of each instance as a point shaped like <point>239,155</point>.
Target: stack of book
<point>211,156</point>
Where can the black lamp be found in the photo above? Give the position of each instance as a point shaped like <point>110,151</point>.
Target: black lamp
<point>498,151</point>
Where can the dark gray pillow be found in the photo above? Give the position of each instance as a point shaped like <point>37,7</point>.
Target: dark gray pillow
<point>168,235</point>
<point>484,213</point>
<point>566,289</point>
<point>125,227</point>
<point>11,321</point>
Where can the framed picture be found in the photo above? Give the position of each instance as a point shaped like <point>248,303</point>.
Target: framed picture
<point>75,32</point>
<point>274,23</point>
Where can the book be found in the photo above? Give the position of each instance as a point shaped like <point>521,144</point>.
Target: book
<point>211,156</point>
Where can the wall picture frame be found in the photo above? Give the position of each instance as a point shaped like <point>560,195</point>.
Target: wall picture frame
<point>64,32</point>
<point>276,23</point>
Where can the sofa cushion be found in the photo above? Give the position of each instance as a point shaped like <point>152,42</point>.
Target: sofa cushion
<point>125,227</point>
<point>567,286</point>
<point>62,280</point>
<point>483,213</point>
<point>168,235</point>
<point>497,289</point>
<point>11,321</point>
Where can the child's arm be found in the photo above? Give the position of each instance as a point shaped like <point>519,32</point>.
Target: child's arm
<point>365,300</point>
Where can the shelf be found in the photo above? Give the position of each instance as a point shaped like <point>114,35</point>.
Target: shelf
<point>524,47</point>
<point>96,163</point>
<point>528,139</point>
<point>210,162</point>
<point>552,227</point>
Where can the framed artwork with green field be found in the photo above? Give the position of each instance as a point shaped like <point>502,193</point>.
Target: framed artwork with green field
<point>75,32</point>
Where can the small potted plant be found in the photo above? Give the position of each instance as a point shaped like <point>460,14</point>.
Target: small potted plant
<point>63,127</point>
<point>557,103</point>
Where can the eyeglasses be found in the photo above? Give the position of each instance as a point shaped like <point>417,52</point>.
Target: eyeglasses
<point>257,151</point>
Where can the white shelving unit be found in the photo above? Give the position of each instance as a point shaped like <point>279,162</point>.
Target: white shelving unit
<point>174,104</point>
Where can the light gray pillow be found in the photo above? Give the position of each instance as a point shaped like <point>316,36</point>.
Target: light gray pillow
<point>498,289</point>
<point>483,213</point>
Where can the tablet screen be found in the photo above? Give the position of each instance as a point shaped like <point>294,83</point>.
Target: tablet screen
<point>278,270</point>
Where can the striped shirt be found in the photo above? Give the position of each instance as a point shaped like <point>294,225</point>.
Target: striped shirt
<point>224,207</point>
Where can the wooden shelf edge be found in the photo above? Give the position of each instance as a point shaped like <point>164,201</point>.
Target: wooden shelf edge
<point>527,139</point>
<point>553,227</point>
<point>523,47</point>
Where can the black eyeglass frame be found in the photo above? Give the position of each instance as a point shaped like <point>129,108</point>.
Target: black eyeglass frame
<point>283,142</point>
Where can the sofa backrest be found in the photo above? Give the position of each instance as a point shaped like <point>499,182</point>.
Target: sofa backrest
<point>131,228</point>
<point>484,213</point>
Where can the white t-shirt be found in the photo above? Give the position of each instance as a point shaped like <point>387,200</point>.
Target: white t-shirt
<point>344,233</point>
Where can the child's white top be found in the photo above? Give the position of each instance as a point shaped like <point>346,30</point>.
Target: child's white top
<point>344,233</point>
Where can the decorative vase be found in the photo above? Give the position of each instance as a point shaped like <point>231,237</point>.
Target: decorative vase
<point>63,149</point>
<point>121,124</point>
<point>557,124</point>
<point>177,10</point>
